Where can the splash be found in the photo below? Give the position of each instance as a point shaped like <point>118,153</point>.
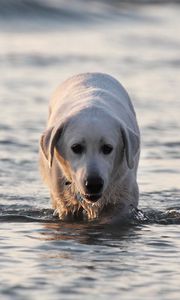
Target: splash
<point>135,217</point>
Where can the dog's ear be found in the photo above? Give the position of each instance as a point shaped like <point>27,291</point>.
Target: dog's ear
<point>48,141</point>
<point>131,144</point>
<point>44,142</point>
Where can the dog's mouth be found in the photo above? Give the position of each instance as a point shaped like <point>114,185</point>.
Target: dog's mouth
<point>92,197</point>
<point>89,197</point>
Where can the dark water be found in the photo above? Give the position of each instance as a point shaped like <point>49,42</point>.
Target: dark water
<point>43,43</point>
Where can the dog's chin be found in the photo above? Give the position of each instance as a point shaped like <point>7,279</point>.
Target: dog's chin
<point>92,197</point>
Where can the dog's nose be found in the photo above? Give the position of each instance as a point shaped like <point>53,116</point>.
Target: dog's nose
<point>93,184</point>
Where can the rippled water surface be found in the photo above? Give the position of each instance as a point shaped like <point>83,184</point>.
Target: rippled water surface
<point>43,43</point>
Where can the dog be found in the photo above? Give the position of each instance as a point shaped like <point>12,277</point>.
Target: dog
<point>89,152</point>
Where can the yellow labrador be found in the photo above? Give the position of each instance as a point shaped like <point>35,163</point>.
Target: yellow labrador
<point>89,151</point>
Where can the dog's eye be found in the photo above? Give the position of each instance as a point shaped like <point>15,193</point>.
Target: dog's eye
<point>106,149</point>
<point>77,148</point>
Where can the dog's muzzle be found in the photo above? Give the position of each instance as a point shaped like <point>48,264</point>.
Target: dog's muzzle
<point>93,188</point>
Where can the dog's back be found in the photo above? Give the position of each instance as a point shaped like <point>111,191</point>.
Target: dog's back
<point>87,90</point>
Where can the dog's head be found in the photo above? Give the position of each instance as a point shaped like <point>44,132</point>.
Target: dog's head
<point>90,149</point>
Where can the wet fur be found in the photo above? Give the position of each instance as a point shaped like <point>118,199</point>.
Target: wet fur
<point>120,195</point>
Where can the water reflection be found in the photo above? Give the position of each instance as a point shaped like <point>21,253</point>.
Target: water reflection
<point>89,234</point>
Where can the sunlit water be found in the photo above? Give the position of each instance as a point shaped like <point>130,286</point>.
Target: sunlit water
<point>40,257</point>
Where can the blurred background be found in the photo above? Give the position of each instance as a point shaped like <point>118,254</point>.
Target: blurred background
<point>42,42</point>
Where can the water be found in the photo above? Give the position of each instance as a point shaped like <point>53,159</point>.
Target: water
<point>43,43</point>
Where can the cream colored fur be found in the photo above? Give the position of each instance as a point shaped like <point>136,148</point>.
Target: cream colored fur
<point>92,108</point>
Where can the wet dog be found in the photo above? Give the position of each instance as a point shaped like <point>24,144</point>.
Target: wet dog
<point>89,151</point>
